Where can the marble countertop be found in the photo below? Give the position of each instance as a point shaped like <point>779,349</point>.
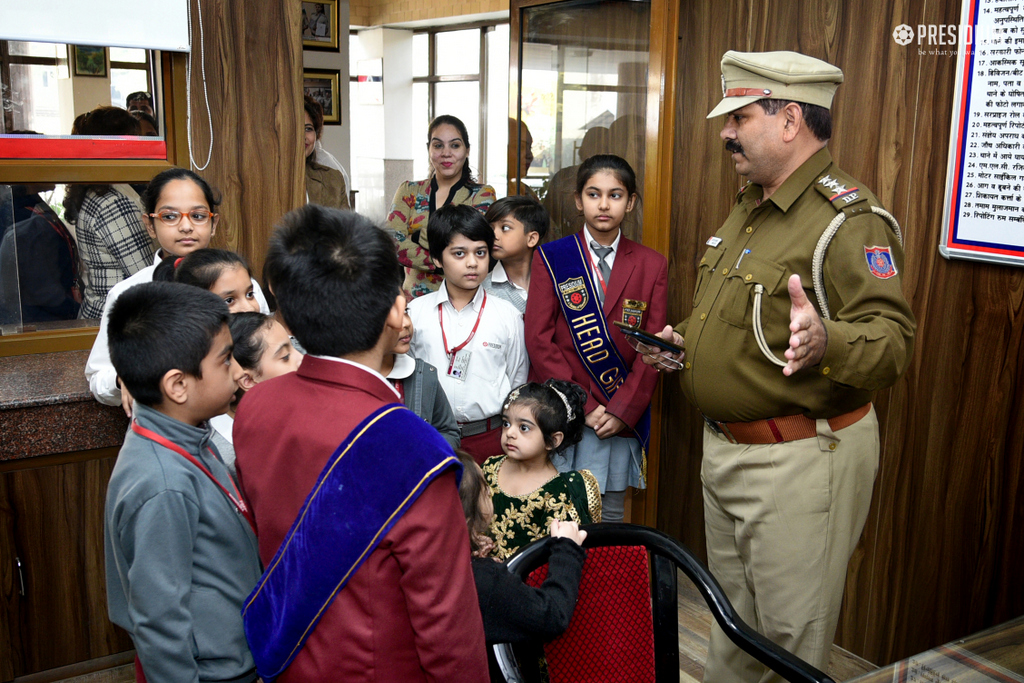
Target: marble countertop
<point>43,379</point>
<point>46,408</point>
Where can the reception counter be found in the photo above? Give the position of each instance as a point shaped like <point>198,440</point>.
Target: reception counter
<point>57,449</point>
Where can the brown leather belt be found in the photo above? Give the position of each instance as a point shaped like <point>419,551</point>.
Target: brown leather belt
<point>781,429</point>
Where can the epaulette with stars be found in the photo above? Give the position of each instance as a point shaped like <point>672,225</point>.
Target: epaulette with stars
<point>844,197</point>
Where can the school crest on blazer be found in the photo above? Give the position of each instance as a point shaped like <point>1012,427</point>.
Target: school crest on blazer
<point>574,293</point>
<point>633,312</point>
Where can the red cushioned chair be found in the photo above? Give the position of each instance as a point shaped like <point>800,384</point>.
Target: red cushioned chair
<point>625,626</point>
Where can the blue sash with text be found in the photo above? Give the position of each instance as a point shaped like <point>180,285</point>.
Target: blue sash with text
<point>569,264</point>
<point>367,485</point>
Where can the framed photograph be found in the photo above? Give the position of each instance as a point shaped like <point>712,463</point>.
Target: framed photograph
<point>320,25</point>
<point>90,61</point>
<point>322,85</point>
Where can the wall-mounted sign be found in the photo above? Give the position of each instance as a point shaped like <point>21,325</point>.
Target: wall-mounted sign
<point>983,218</point>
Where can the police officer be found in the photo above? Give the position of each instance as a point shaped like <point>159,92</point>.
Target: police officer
<point>798,318</point>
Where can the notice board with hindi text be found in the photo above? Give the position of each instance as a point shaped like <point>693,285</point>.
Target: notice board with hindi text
<point>983,217</point>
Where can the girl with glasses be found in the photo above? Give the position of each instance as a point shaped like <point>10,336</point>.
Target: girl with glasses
<point>179,213</point>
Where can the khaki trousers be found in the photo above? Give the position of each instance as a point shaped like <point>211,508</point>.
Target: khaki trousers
<point>782,521</point>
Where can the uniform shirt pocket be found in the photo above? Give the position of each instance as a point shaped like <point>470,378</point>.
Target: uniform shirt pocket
<point>738,291</point>
<point>706,269</point>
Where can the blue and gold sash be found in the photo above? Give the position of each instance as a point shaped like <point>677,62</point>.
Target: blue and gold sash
<point>569,264</point>
<point>367,485</point>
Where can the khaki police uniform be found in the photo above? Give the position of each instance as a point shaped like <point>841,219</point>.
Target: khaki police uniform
<point>786,498</point>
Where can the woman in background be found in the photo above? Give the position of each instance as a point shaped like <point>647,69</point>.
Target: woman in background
<point>450,182</point>
<point>113,242</point>
<point>324,185</point>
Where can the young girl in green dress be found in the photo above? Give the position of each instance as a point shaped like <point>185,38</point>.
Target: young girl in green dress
<point>538,420</point>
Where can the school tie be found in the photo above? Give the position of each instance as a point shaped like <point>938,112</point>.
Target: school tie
<point>602,266</point>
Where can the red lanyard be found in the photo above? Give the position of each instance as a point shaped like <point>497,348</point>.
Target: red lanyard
<point>237,499</point>
<point>399,386</point>
<point>451,353</point>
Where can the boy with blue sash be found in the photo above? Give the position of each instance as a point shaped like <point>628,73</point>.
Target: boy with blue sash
<point>579,285</point>
<point>355,498</point>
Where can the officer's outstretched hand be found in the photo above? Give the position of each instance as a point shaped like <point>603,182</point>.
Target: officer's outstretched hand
<point>809,339</point>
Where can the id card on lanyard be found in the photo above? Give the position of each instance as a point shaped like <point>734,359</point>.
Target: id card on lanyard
<point>458,358</point>
<point>237,500</point>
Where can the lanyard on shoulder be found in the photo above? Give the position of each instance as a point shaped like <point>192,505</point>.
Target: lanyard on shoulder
<point>444,339</point>
<point>237,499</point>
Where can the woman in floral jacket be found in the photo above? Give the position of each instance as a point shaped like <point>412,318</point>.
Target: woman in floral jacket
<point>450,182</point>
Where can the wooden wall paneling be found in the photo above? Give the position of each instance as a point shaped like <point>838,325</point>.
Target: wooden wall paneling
<point>10,655</point>
<point>254,81</point>
<point>702,186</point>
<point>657,190</point>
<point>62,618</point>
<point>940,555</point>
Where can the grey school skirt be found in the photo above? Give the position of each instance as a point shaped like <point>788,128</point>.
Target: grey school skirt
<point>614,462</point>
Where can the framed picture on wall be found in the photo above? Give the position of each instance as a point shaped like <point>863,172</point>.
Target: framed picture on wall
<point>323,86</point>
<point>320,25</point>
<point>90,61</point>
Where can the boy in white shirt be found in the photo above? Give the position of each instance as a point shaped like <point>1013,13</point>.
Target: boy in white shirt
<point>520,224</point>
<point>475,341</point>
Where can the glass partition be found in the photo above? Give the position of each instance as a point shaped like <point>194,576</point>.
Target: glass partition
<point>49,88</point>
<point>582,90</point>
<point>63,248</point>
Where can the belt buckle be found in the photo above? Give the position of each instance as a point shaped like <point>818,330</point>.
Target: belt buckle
<point>717,428</point>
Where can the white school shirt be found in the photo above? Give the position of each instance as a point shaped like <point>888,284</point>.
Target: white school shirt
<point>498,361</point>
<point>499,275</point>
<point>609,259</point>
<point>99,371</point>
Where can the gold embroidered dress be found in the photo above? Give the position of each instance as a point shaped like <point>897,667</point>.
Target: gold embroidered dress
<point>569,496</point>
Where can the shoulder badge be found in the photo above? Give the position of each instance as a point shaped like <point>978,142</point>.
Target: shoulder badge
<point>880,262</point>
<point>838,192</point>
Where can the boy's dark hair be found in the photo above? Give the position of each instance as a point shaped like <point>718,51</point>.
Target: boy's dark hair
<point>471,489</point>
<point>457,219</point>
<point>550,411</point>
<point>152,194</point>
<point>160,326</point>
<point>611,163</point>
<point>200,268</point>
<point>335,276</point>
<point>526,210</point>
<point>245,335</point>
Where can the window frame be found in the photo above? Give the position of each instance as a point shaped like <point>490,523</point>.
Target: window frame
<point>432,79</point>
<point>173,67</point>
<point>100,171</point>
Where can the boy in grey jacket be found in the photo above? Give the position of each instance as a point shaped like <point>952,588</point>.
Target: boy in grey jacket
<point>180,542</point>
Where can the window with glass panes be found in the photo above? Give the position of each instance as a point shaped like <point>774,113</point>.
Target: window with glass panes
<point>29,73</point>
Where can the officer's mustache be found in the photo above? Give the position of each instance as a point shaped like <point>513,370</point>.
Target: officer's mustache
<point>734,147</point>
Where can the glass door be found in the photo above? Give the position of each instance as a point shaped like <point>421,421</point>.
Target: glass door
<point>580,88</point>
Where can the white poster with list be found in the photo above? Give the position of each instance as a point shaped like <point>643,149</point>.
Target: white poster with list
<point>983,216</point>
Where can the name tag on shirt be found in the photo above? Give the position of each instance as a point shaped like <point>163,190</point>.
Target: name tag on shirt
<point>459,365</point>
<point>714,241</point>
